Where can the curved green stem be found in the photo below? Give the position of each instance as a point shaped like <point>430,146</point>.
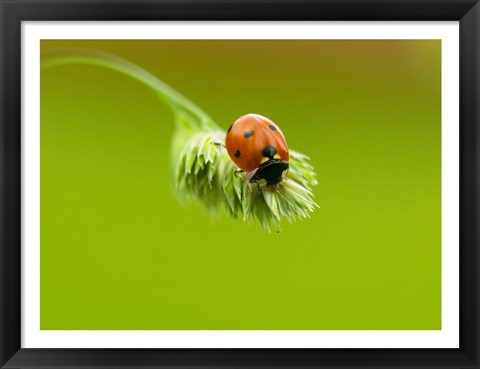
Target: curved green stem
<point>179,103</point>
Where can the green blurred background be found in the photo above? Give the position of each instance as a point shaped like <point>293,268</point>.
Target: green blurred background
<point>118,251</point>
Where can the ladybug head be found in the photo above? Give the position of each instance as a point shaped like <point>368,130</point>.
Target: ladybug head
<point>269,173</point>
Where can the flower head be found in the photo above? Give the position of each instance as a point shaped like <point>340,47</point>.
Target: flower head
<point>204,172</point>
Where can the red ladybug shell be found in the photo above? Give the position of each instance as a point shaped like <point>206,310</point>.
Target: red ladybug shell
<point>253,140</point>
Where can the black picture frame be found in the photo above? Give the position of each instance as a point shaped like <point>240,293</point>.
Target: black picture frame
<point>13,12</point>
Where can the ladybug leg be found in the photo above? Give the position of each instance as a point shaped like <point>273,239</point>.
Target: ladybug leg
<point>218,143</point>
<point>238,171</point>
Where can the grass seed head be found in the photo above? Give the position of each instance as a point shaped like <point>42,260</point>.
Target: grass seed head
<point>204,172</point>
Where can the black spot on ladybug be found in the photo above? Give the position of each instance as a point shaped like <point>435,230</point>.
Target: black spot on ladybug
<point>237,153</point>
<point>269,151</point>
<point>248,133</point>
<point>272,127</point>
<point>230,128</point>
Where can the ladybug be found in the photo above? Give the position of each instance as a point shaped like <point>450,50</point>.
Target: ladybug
<point>257,146</point>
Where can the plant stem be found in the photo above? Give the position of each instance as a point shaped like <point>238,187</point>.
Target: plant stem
<point>196,117</point>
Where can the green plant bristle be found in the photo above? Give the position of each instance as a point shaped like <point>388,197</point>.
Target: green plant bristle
<point>201,168</point>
